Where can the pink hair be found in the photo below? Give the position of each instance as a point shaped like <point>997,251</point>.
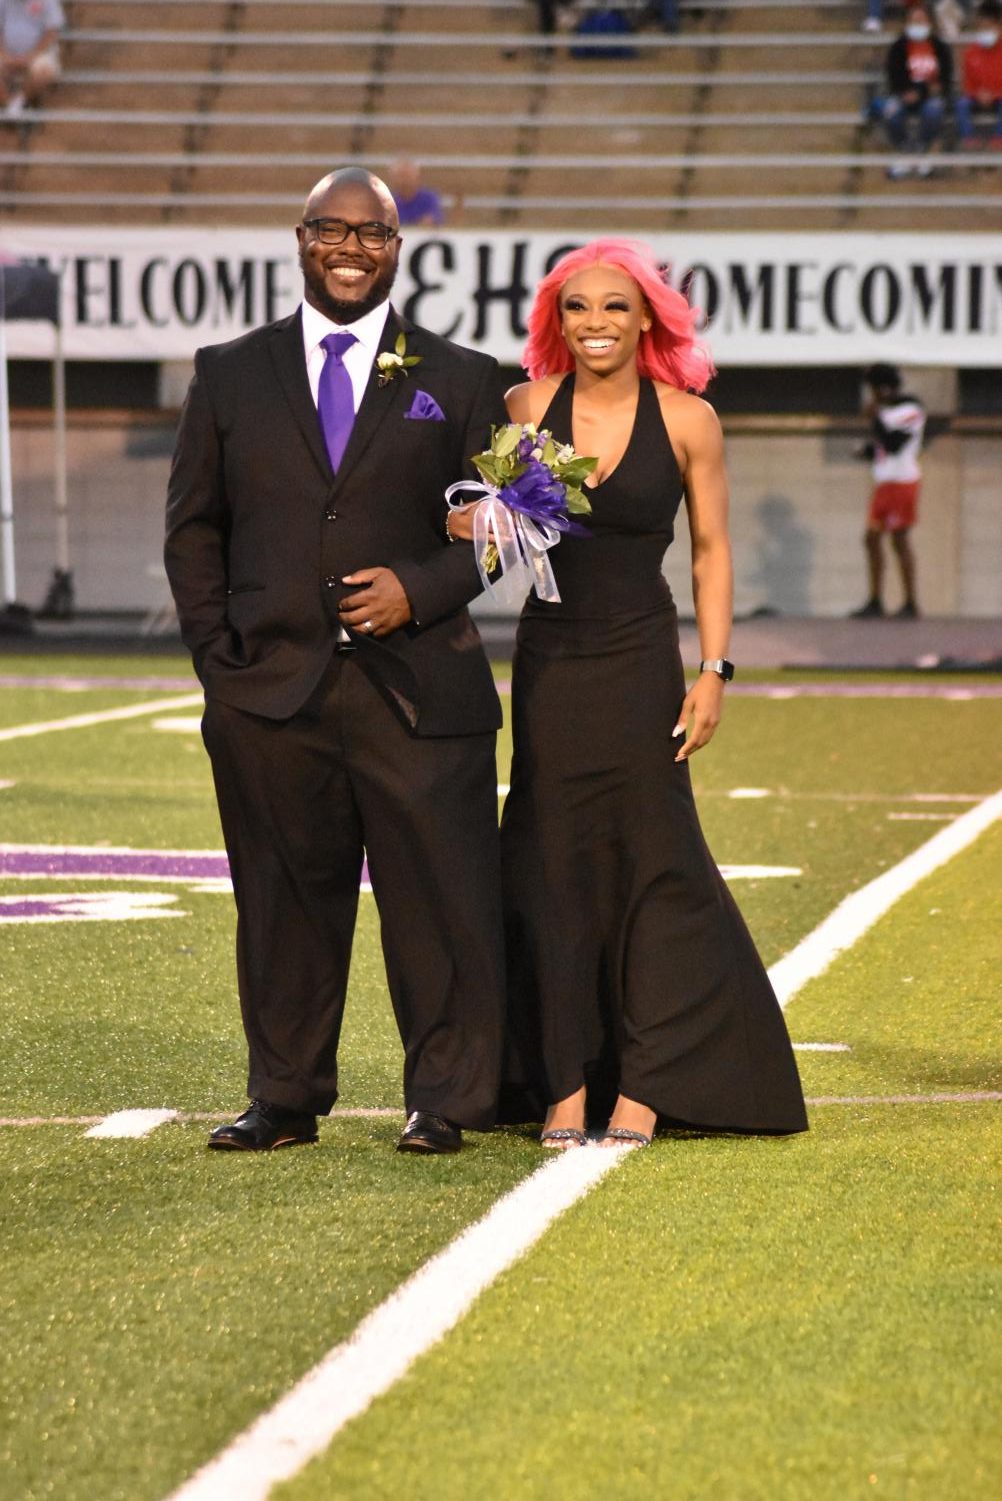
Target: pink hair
<point>668,351</point>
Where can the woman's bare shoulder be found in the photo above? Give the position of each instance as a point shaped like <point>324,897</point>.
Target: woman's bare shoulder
<point>689,417</point>
<point>527,402</point>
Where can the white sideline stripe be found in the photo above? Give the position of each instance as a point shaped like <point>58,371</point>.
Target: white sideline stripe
<point>395,1334</point>
<point>131,1123</point>
<point>361,1112</point>
<point>188,724</point>
<point>969,1097</point>
<point>4,783</point>
<point>858,912</point>
<point>923,817</point>
<point>105,716</point>
<point>821,1047</point>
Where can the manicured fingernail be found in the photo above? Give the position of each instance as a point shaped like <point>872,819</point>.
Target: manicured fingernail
<point>678,730</point>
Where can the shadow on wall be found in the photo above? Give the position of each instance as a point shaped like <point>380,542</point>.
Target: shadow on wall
<point>784,553</point>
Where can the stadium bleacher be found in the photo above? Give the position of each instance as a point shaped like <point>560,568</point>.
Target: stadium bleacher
<point>223,111</point>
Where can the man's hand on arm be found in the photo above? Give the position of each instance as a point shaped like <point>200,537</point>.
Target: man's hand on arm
<point>378,604</point>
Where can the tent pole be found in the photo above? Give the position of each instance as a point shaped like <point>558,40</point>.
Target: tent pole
<point>9,590</point>
<point>59,456</point>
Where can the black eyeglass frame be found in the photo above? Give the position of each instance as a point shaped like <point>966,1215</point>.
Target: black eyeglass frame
<point>356,229</point>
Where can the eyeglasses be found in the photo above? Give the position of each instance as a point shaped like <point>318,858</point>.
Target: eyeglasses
<point>335,231</point>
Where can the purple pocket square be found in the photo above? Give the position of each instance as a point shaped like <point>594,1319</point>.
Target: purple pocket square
<point>425,408</point>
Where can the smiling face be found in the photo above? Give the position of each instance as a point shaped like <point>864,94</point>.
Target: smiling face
<point>348,280</point>
<point>602,315</point>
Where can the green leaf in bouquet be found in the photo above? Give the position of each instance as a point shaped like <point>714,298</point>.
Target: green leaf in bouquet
<point>487,466</point>
<point>507,440</point>
<point>576,502</point>
<point>549,455</point>
<point>576,470</point>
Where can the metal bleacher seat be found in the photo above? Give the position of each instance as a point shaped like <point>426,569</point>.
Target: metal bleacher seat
<point>223,111</point>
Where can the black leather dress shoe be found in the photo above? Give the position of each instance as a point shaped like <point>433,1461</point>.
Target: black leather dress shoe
<point>264,1127</point>
<point>429,1133</point>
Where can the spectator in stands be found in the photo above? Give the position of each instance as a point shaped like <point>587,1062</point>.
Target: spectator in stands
<point>982,80</point>
<point>29,52</point>
<point>949,16</point>
<point>919,68</point>
<point>874,18</point>
<point>668,13</point>
<point>416,204</point>
<point>898,428</point>
<point>547,16</point>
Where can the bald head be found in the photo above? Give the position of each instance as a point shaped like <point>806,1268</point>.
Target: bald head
<point>359,183</point>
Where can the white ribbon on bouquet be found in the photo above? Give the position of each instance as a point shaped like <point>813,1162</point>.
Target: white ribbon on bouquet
<point>520,542</point>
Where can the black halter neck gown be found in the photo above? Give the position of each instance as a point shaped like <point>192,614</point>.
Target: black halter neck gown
<point>630,966</point>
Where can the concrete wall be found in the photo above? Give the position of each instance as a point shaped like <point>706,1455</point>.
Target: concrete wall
<point>798,510</point>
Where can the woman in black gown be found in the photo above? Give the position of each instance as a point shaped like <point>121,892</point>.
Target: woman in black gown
<point>635,991</point>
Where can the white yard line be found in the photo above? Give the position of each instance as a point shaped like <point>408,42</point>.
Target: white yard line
<point>188,724</point>
<point>857,913</point>
<point>104,716</point>
<point>395,1334</point>
<point>966,1097</point>
<point>130,1123</point>
<point>923,817</point>
<point>969,1097</point>
<point>367,1112</point>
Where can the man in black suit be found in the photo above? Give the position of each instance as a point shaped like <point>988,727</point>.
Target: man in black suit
<point>350,707</point>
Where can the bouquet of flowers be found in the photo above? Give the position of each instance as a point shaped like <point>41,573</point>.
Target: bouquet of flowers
<point>532,488</point>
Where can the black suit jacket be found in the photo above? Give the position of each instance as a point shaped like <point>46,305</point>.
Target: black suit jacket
<point>260,532</point>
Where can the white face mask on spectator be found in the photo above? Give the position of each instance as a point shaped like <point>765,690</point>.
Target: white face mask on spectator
<point>917,32</point>
<point>987,38</point>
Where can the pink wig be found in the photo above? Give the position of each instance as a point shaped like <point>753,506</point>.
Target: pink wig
<point>668,351</point>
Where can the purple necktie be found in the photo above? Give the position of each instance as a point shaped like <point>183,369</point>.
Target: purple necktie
<point>335,402</point>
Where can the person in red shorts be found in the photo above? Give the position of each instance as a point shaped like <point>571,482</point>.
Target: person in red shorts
<point>898,429</point>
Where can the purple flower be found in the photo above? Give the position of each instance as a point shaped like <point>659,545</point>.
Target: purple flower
<point>539,495</point>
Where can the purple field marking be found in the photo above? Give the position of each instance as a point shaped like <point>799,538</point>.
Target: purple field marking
<point>38,906</point>
<point>107,864</point>
<point>104,865</point>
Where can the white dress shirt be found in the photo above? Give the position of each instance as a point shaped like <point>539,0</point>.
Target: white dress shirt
<point>357,360</point>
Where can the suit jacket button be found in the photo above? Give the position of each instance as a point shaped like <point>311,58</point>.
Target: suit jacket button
<point>330,581</point>
<point>330,515</point>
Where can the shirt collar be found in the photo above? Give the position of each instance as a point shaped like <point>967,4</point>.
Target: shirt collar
<point>368,329</point>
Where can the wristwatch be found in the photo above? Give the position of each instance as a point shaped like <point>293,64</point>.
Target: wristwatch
<point>720,666</point>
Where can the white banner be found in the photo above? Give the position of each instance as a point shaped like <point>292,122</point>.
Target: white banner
<point>768,299</point>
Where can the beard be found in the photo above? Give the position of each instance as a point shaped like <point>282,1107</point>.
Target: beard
<point>345,312</point>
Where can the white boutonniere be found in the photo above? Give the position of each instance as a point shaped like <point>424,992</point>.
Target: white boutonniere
<point>397,361</point>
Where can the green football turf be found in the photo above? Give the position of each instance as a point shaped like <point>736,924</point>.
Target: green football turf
<point>815,1317</point>
<point>157,1296</point>
<point>736,1319</point>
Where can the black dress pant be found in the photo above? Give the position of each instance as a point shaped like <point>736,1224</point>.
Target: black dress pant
<point>302,801</point>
